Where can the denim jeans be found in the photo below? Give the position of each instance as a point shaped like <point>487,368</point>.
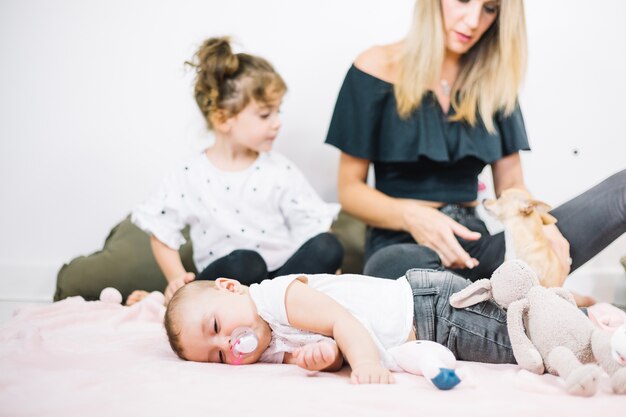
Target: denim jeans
<point>589,222</point>
<point>477,333</point>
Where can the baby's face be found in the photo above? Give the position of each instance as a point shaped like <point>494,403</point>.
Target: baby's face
<point>208,318</point>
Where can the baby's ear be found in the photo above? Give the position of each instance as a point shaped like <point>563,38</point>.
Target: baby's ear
<point>231,285</point>
<point>474,293</point>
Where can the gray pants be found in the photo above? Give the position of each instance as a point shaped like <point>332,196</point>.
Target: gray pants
<point>589,222</point>
<point>477,333</point>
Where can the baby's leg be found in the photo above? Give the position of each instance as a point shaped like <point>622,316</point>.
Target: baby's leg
<point>477,333</point>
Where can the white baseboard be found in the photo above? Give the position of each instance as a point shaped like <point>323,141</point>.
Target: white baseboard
<point>34,281</point>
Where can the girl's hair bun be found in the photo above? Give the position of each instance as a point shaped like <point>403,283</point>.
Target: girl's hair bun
<point>228,81</point>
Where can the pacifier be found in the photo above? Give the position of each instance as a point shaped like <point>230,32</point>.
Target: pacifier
<point>243,342</point>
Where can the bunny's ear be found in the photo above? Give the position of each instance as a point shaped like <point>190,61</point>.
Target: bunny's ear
<point>474,293</point>
<point>543,209</point>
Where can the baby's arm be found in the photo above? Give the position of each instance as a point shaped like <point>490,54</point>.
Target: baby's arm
<point>170,263</point>
<point>312,310</point>
<point>319,356</point>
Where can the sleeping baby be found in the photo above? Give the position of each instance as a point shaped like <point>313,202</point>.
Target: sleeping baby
<point>317,320</point>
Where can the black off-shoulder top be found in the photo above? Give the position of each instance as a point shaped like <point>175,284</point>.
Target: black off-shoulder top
<point>425,156</point>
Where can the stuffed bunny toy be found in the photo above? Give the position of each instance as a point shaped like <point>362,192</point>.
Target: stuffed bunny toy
<point>547,330</point>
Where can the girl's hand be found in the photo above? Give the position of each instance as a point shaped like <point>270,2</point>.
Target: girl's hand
<point>316,356</point>
<point>371,373</point>
<point>560,245</point>
<point>176,284</point>
<point>432,228</point>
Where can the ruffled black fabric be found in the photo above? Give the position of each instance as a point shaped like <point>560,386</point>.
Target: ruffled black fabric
<point>366,124</point>
<point>425,156</point>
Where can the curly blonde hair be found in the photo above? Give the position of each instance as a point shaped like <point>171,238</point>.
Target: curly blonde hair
<point>226,82</point>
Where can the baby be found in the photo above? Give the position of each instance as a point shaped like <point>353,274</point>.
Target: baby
<point>316,320</point>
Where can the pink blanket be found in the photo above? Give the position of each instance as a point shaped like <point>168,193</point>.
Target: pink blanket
<point>78,358</point>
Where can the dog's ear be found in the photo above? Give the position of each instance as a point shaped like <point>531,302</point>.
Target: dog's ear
<point>526,208</point>
<point>491,206</point>
<point>543,209</point>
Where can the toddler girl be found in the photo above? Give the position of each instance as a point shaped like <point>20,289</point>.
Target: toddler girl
<point>251,212</point>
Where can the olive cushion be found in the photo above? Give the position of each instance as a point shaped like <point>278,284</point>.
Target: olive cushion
<point>126,261</point>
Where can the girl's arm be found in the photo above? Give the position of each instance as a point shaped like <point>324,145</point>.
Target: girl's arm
<point>427,225</point>
<point>309,309</point>
<point>172,267</point>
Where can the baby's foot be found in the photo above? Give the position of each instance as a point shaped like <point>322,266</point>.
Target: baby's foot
<point>316,356</point>
<point>136,296</point>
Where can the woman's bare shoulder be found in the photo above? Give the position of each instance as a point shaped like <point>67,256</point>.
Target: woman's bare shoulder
<point>380,61</point>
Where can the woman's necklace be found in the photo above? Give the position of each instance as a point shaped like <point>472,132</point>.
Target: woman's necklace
<point>445,87</point>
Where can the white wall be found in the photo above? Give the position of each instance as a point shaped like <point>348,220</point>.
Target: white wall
<point>95,104</point>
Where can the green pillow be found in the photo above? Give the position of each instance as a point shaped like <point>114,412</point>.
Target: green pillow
<point>351,234</point>
<point>126,261</point>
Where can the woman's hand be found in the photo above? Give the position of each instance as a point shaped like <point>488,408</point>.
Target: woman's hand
<point>175,284</point>
<point>560,245</point>
<point>431,228</point>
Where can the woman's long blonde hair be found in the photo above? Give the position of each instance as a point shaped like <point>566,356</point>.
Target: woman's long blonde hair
<point>491,72</point>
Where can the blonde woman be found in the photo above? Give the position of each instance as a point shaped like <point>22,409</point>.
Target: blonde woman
<point>429,112</point>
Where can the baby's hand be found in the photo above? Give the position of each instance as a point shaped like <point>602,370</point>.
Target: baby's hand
<point>316,356</point>
<point>371,373</point>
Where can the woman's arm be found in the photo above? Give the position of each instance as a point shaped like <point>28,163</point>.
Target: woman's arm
<point>363,201</point>
<point>312,310</point>
<point>507,173</point>
<point>172,267</point>
<point>421,219</point>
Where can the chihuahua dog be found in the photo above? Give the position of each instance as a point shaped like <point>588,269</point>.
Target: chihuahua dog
<point>523,219</point>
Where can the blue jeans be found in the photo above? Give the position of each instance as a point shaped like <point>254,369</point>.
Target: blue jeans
<point>477,333</point>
